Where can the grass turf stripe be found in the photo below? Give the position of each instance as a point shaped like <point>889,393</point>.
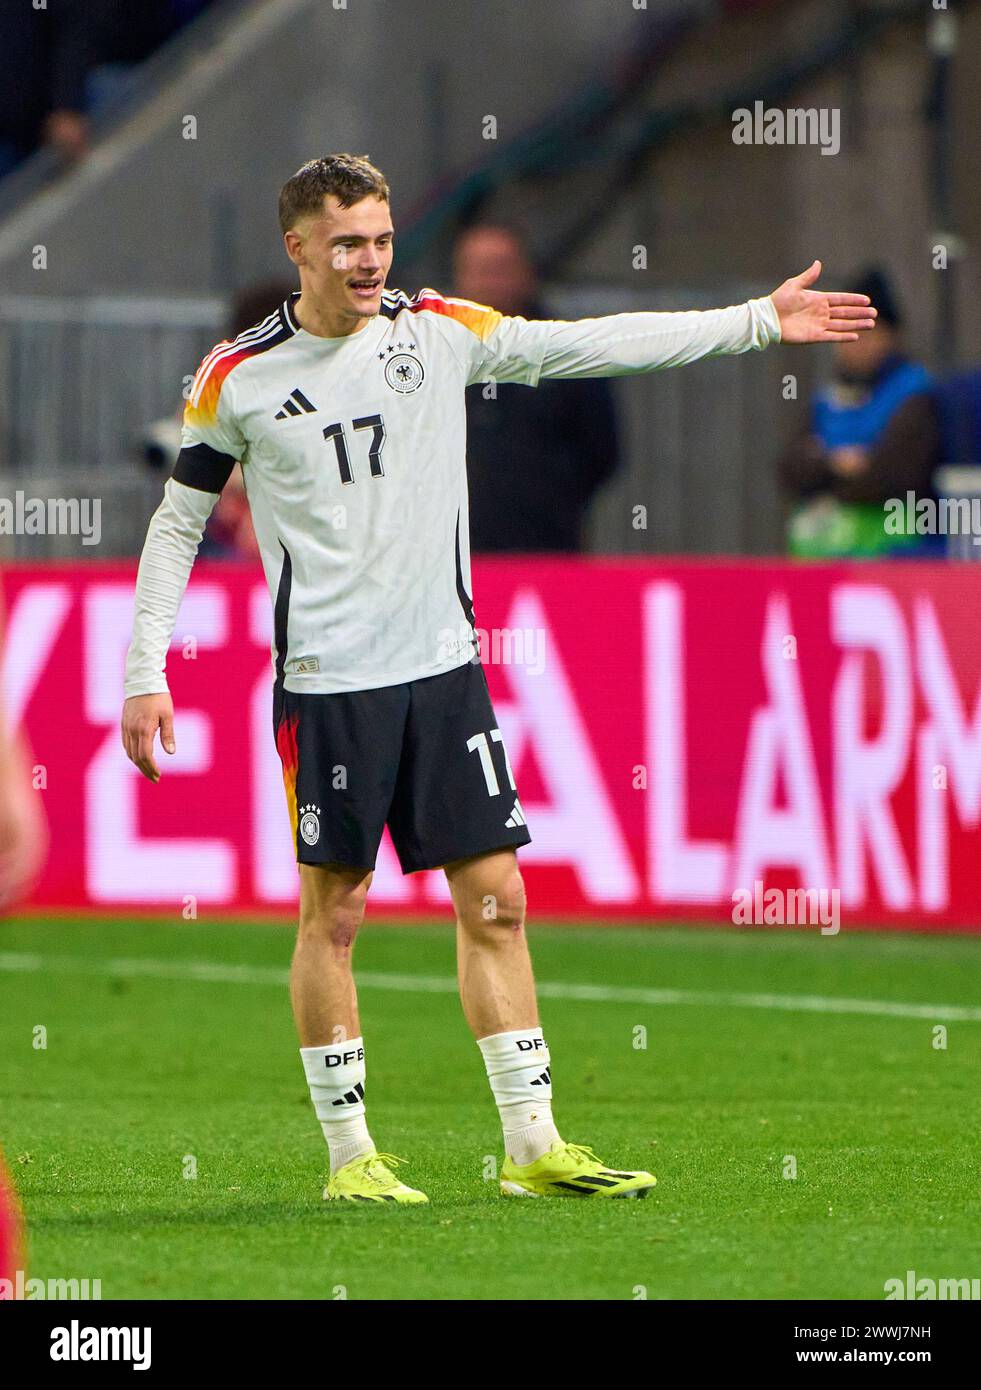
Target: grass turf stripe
<point>213,973</point>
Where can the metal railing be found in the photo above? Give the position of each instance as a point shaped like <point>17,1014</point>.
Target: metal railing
<point>81,379</point>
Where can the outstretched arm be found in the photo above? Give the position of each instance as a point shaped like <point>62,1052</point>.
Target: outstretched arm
<point>517,349</point>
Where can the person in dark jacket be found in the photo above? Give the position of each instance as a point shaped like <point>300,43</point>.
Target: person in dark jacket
<point>536,456</point>
<point>49,55</point>
<point>874,435</point>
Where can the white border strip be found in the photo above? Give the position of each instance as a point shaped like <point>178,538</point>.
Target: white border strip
<point>210,972</point>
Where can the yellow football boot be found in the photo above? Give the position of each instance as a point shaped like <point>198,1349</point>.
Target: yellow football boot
<point>370,1179</point>
<point>571,1170</point>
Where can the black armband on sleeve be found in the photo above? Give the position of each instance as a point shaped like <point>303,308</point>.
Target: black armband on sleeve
<point>203,468</point>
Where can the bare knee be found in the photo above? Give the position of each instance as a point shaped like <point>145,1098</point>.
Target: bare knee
<point>332,910</point>
<point>501,906</point>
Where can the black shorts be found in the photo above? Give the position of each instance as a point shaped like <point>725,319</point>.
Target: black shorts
<point>425,758</point>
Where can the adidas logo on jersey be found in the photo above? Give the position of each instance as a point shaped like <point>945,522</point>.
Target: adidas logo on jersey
<point>295,405</point>
<point>545,1079</point>
<point>517,816</point>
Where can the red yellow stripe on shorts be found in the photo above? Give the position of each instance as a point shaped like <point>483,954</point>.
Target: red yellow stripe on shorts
<point>289,756</point>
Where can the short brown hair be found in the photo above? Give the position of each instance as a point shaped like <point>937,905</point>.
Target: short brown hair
<point>350,177</point>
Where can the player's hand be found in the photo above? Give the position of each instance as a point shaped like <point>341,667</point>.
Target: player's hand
<point>813,316</point>
<point>143,715</point>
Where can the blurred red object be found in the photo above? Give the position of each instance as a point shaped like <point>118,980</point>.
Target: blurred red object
<point>11,1250</point>
<point>23,824</point>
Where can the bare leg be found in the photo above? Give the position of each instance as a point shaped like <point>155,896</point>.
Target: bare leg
<point>325,1002</point>
<point>497,987</point>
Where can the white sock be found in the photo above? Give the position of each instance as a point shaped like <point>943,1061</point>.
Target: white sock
<point>335,1075</point>
<point>518,1067</point>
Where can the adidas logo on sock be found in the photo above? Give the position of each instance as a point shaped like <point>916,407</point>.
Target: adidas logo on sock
<point>517,816</point>
<point>351,1097</point>
<point>295,405</point>
<point>544,1080</point>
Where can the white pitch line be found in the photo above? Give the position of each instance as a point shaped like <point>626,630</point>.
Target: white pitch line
<point>211,973</point>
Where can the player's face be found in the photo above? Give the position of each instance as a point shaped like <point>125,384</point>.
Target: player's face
<point>346,254</point>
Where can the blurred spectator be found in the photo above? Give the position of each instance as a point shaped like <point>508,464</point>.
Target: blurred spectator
<point>229,534</point>
<point>958,400</point>
<point>874,435</point>
<point>52,57</point>
<point>255,303</point>
<point>535,457</point>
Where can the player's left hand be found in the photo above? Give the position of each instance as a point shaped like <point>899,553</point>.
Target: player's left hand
<point>813,316</point>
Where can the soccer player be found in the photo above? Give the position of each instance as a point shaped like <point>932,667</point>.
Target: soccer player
<point>346,410</point>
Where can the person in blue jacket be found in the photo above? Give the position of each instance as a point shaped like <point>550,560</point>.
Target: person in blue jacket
<point>873,435</point>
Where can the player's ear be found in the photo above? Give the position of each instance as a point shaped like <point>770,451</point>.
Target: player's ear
<point>293,242</point>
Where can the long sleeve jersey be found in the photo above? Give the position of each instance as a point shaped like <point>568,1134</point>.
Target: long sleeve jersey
<point>353,454</point>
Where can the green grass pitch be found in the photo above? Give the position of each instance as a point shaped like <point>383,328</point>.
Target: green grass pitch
<point>169,1042</point>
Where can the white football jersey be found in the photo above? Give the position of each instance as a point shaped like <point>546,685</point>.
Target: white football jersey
<point>353,452</point>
